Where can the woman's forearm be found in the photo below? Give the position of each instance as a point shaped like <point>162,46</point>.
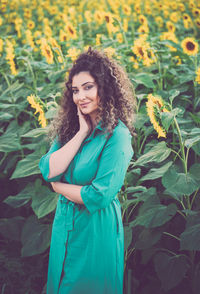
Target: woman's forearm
<point>71,192</point>
<point>60,159</point>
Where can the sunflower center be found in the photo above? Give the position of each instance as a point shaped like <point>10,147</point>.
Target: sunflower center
<point>70,30</point>
<point>141,52</point>
<point>48,52</point>
<point>190,46</point>
<point>107,18</point>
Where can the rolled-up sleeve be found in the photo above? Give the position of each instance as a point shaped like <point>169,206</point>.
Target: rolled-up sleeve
<point>113,164</point>
<point>44,163</point>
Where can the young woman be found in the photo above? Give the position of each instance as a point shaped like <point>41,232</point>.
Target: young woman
<point>86,165</point>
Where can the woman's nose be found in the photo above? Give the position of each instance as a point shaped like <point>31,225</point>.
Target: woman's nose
<point>81,95</point>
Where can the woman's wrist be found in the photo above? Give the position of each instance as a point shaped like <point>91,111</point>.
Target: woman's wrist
<point>82,134</point>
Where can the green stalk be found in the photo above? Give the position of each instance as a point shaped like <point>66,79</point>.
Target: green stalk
<point>181,146</point>
<point>173,236</point>
<point>194,196</point>
<point>122,31</point>
<point>15,114</point>
<point>195,85</point>
<point>33,75</point>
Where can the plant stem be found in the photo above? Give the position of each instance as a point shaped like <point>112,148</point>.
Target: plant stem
<point>194,196</point>
<point>173,236</point>
<point>181,146</point>
<point>15,114</point>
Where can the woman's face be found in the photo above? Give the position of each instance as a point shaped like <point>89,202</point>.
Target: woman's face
<point>85,93</point>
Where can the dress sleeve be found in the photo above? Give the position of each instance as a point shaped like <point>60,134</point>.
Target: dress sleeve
<point>44,163</point>
<point>113,164</point>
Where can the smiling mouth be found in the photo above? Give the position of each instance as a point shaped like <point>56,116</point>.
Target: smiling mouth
<point>84,104</point>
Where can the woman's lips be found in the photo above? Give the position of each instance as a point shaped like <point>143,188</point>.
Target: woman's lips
<point>84,104</point>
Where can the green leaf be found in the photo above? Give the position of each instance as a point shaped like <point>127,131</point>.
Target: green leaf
<point>195,172</point>
<point>170,269</point>
<point>190,142</point>
<point>11,227</point>
<point>155,216</point>
<point>9,141</point>
<point>196,148</point>
<point>35,133</point>
<point>156,173</point>
<point>190,238</point>
<point>144,79</point>
<point>27,166</point>
<point>146,238</point>
<point>35,237</point>
<point>127,236</point>
<point>168,117</point>
<point>21,198</point>
<point>12,88</point>
<point>173,94</point>
<point>195,117</point>
<point>44,201</point>
<point>179,184</point>
<point>6,116</point>
<point>140,120</point>
<point>157,154</point>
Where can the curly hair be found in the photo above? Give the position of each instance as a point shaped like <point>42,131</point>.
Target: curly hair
<point>115,90</point>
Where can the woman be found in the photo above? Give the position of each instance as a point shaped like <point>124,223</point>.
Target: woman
<point>86,165</point>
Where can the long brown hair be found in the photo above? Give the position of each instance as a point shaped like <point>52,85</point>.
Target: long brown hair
<point>116,93</point>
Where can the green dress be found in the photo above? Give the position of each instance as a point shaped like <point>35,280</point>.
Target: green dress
<point>87,243</point>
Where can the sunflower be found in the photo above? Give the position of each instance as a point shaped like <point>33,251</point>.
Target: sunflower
<point>73,53</point>
<point>46,51</point>
<point>186,16</point>
<point>98,39</point>
<point>181,7</point>
<point>38,109</point>
<point>144,29</point>
<point>137,8</point>
<point>142,19</point>
<point>155,106</point>
<point>174,17</point>
<point>30,24</point>
<point>197,22</point>
<point>63,36</point>
<point>88,16</point>
<point>110,51</point>
<point>1,45</point>
<point>176,60</point>
<point>126,9</point>
<point>29,38</point>
<point>159,21</point>
<point>71,31</point>
<point>120,38</point>
<point>10,55</point>
<point>198,76</point>
<point>108,17</point>
<point>170,26</point>
<point>189,46</point>
<point>99,17</point>
<point>196,12</point>
<point>125,24</point>
<point>171,37</point>
<point>148,9</point>
<point>134,61</point>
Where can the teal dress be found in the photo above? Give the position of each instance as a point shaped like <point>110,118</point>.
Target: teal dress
<point>87,243</point>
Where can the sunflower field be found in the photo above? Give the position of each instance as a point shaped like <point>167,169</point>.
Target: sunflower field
<point>158,43</point>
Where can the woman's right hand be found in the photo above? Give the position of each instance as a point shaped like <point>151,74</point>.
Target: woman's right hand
<point>84,122</point>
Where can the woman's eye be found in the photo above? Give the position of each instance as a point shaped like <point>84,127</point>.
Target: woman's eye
<point>74,91</point>
<point>88,87</point>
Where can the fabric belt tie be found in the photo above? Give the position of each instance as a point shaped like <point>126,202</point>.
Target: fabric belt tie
<point>68,210</point>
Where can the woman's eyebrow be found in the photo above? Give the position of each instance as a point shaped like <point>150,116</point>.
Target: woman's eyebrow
<point>84,84</point>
